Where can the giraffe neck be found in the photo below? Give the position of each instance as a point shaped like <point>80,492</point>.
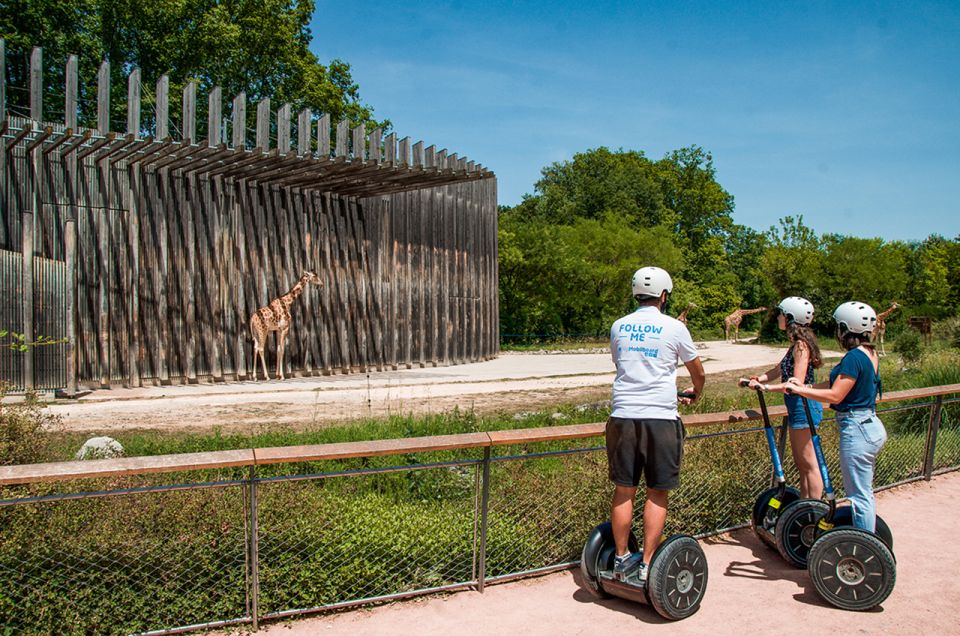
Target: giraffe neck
<point>747,312</point>
<point>294,293</point>
<point>884,314</point>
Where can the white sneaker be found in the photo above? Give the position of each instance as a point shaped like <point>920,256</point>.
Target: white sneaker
<point>624,566</point>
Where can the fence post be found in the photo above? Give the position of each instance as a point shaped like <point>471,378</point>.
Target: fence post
<point>484,501</point>
<point>253,548</point>
<point>71,309</point>
<point>26,274</point>
<point>933,429</point>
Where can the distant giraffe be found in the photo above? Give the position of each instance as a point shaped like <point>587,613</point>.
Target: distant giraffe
<point>276,317</point>
<point>734,320</point>
<point>881,328</point>
<point>683,314</point>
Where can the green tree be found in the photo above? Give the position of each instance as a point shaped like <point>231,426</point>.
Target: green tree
<point>257,46</point>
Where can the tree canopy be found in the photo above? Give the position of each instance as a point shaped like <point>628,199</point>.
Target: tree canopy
<point>257,46</point>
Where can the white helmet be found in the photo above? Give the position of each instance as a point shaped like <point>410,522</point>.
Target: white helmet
<point>856,317</point>
<point>796,309</point>
<point>651,281</point>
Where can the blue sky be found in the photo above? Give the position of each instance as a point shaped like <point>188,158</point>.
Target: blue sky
<point>845,112</point>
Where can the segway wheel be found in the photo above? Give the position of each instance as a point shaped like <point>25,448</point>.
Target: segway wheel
<point>852,569</point>
<point>765,516</point>
<point>796,530</point>
<point>677,578</point>
<point>598,553</point>
<point>844,518</point>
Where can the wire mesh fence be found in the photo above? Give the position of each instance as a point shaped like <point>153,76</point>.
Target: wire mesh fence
<point>219,548</point>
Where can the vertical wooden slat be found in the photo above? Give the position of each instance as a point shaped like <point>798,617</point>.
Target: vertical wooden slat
<point>163,107</point>
<point>27,283</point>
<point>359,143</point>
<point>304,123</point>
<point>161,292</point>
<point>263,124</point>
<point>214,112</point>
<point>189,128</point>
<point>103,98</point>
<point>323,137</point>
<point>36,85</point>
<point>404,158</point>
<point>3,83</point>
<point>283,129</point>
<point>343,130</point>
<point>103,278</point>
<point>70,93</point>
<point>132,278</point>
<point>240,121</point>
<point>390,148</point>
<point>133,103</point>
<point>187,281</point>
<point>70,237</point>
<point>375,142</point>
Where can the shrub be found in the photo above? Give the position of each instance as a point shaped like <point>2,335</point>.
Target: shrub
<point>24,431</point>
<point>909,347</point>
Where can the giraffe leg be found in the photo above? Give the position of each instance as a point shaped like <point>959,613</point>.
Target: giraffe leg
<point>281,345</point>
<point>260,347</point>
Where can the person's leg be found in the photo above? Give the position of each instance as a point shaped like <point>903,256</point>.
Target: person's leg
<point>621,516</point>
<point>654,520</point>
<point>859,445</point>
<point>801,444</point>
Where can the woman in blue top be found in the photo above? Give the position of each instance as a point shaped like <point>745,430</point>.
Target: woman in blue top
<point>798,364</point>
<point>852,393</point>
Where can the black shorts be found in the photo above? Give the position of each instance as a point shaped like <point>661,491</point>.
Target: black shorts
<point>651,447</point>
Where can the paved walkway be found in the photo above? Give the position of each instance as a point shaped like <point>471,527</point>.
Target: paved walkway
<point>751,591</point>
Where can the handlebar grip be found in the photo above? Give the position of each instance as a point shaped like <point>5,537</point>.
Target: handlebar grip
<point>743,382</point>
<point>686,394</point>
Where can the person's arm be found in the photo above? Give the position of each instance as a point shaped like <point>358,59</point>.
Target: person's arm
<point>801,360</point>
<point>827,394</point>
<point>698,377</point>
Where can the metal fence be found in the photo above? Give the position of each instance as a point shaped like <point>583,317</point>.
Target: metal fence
<point>242,536</point>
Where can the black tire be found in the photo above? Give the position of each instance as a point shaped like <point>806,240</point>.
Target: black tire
<point>764,518</point>
<point>597,554</point>
<point>852,569</point>
<point>844,518</point>
<point>796,530</point>
<point>677,579</point>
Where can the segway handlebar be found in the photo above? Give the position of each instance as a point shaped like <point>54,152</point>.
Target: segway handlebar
<point>690,395</point>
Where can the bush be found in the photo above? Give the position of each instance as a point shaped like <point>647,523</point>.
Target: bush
<point>909,346</point>
<point>24,431</point>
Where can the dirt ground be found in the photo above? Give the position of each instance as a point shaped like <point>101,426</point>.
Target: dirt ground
<point>511,383</point>
<point>751,590</point>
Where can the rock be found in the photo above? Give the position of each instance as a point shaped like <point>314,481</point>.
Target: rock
<point>558,416</point>
<point>100,448</point>
<point>593,406</point>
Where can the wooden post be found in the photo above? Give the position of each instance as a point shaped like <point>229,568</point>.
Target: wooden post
<point>283,129</point>
<point>70,239</point>
<point>214,136</point>
<point>132,276</point>
<point>27,287</point>
<point>36,84</point>
<point>133,103</point>
<point>103,99</point>
<point>190,113</point>
<point>303,132</point>
<point>343,130</point>
<point>404,159</point>
<point>3,80</point>
<point>163,108</point>
<point>359,143</point>
<point>263,124</point>
<point>70,93</point>
<point>390,148</point>
<point>239,140</point>
<point>375,142</point>
<point>323,137</point>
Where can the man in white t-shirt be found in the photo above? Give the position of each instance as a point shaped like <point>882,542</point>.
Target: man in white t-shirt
<point>644,432</point>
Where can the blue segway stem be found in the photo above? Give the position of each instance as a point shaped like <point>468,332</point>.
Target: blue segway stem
<point>829,494</point>
<point>771,443</point>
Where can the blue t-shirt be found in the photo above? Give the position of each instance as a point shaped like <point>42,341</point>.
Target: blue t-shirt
<point>857,365</point>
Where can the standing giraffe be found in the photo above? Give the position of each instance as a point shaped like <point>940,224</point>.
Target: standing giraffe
<point>683,314</point>
<point>276,317</point>
<point>881,328</point>
<point>734,320</point>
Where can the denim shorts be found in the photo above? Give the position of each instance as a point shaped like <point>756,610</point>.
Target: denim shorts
<point>796,414</point>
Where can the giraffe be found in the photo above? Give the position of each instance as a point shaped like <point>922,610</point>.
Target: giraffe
<point>881,328</point>
<point>683,314</point>
<point>734,320</point>
<point>276,317</point>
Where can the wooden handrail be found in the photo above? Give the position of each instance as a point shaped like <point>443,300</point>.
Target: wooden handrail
<point>62,471</point>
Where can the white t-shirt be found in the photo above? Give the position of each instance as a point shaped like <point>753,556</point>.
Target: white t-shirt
<point>646,346</point>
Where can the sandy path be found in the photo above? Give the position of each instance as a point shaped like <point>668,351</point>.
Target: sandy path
<point>751,591</point>
<point>512,382</point>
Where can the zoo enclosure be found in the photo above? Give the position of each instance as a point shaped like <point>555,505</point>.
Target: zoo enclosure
<point>147,251</point>
<point>331,530</point>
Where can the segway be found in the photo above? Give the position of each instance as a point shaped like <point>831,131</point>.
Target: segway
<point>771,502</point>
<point>676,575</point>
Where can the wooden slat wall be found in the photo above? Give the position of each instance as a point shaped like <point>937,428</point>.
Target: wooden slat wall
<point>170,262</point>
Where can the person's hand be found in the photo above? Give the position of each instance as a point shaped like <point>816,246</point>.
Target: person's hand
<point>687,396</point>
<point>778,388</point>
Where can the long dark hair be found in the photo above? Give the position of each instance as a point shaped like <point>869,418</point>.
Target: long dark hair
<point>850,340</point>
<point>803,333</point>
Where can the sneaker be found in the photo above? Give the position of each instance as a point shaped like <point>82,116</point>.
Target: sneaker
<point>624,566</point>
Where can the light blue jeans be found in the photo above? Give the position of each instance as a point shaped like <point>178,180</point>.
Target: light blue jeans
<point>862,435</point>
